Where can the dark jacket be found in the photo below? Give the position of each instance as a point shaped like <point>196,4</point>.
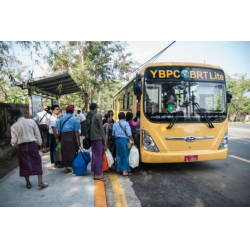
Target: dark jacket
<point>94,124</point>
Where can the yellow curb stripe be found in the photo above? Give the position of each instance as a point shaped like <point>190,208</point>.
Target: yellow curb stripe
<point>119,195</point>
<point>100,195</point>
<point>238,158</point>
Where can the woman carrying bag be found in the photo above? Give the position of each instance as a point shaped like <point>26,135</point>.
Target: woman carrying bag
<point>122,133</point>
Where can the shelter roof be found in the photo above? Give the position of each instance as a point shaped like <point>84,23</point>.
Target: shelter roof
<point>52,85</point>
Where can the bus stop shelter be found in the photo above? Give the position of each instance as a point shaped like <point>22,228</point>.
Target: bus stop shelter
<point>51,86</point>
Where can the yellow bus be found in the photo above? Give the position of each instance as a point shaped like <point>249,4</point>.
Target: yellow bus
<point>183,111</point>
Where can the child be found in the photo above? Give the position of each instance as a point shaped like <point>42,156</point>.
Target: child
<point>108,131</point>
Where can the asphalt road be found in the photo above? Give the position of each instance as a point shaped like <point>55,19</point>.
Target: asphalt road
<point>224,183</point>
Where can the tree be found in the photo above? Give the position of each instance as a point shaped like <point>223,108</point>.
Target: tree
<point>13,70</point>
<point>239,86</point>
<point>97,67</point>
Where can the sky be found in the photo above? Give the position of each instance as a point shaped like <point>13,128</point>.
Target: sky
<point>232,56</point>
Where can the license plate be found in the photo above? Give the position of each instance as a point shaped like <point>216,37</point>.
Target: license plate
<point>191,158</point>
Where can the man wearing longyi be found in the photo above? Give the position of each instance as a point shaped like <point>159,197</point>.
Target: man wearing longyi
<point>25,134</point>
<point>68,128</point>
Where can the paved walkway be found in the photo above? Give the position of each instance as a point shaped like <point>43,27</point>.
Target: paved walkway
<point>65,190</point>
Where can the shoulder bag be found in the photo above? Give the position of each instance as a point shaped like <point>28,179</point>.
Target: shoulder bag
<point>38,122</point>
<point>59,137</point>
<point>129,144</point>
<point>86,141</point>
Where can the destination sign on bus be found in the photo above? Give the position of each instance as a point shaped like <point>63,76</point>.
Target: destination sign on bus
<point>182,73</point>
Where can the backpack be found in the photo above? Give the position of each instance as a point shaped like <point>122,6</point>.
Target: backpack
<point>81,161</point>
<point>86,142</point>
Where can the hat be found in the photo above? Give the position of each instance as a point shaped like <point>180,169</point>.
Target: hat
<point>45,107</point>
<point>93,106</point>
<point>70,108</point>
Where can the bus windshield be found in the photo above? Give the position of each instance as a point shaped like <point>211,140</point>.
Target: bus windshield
<point>191,101</point>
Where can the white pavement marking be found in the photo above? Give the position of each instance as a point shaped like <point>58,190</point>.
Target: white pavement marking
<point>239,158</point>
<point>247,130</point>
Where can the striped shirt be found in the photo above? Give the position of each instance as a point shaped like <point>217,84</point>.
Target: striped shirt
<point>118,132</point>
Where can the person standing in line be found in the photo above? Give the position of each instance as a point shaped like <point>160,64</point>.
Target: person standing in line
<point>68,127</point>
<point>50,113</point>
<point>108,131</point>
<point>112,121</point>
<point>42,119</point>
<point>95,129</point>
<point>49,110</point>
<point>129,117</point>
<point>84,112</point>
<point>122,133</point>
<point>137,118</point>
<point>135,127</point>
<point>25,134</point>
<point>82,120</point>
<point>111,114</point>
<point>53,135</point>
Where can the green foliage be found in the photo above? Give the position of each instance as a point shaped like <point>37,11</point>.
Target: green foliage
<point>97,67</point>
<point>239,86</point>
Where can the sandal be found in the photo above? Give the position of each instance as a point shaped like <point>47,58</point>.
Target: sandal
<point>99,179</point>
<point>69,170</point>
<point>128,174</point>
<point>58,166</point>
<point>44,185</point>
<point>28,186</point>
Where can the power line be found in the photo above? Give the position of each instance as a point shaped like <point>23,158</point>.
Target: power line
<point>152,59</point>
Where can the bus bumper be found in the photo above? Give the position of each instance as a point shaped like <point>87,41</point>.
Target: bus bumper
<point>179,156</point>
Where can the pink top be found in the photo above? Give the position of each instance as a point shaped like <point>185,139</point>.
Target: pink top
<point>132,124</point>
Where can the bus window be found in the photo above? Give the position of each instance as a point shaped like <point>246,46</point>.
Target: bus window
<point>153,98</point>
<point>130,100</point>
<point>124,103</point>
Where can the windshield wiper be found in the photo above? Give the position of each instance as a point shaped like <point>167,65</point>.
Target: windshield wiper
<point>199,111</point>
<point>203,115</point>
<point>183,106</point>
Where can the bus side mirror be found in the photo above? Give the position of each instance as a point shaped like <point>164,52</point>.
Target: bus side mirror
<point>229,97</point>
<point>138,85</point>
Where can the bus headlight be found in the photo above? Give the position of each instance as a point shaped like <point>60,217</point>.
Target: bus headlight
<point>148,142</point>
<point>224,142</point>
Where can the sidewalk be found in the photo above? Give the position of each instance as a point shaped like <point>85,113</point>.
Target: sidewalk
<point>64,190</point>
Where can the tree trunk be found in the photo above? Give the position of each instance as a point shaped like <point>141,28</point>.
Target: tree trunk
<point>92,95</point>
<point>82,52</point>
<point>86,100</point>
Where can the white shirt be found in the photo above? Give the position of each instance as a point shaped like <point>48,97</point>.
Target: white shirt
<point>25,130</point>
<point>44,116</point>
<point>52,122</point>
<point>81,117</point>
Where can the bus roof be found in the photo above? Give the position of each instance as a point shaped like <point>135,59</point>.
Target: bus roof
<point>124,86</point>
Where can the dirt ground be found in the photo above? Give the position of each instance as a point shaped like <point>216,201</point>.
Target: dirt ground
<point>8,165</point>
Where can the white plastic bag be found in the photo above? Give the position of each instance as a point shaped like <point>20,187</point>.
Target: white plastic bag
<point>133,157</point>
<point>109,158</point>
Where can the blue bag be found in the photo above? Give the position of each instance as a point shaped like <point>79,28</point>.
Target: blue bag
<point>81,161</point>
